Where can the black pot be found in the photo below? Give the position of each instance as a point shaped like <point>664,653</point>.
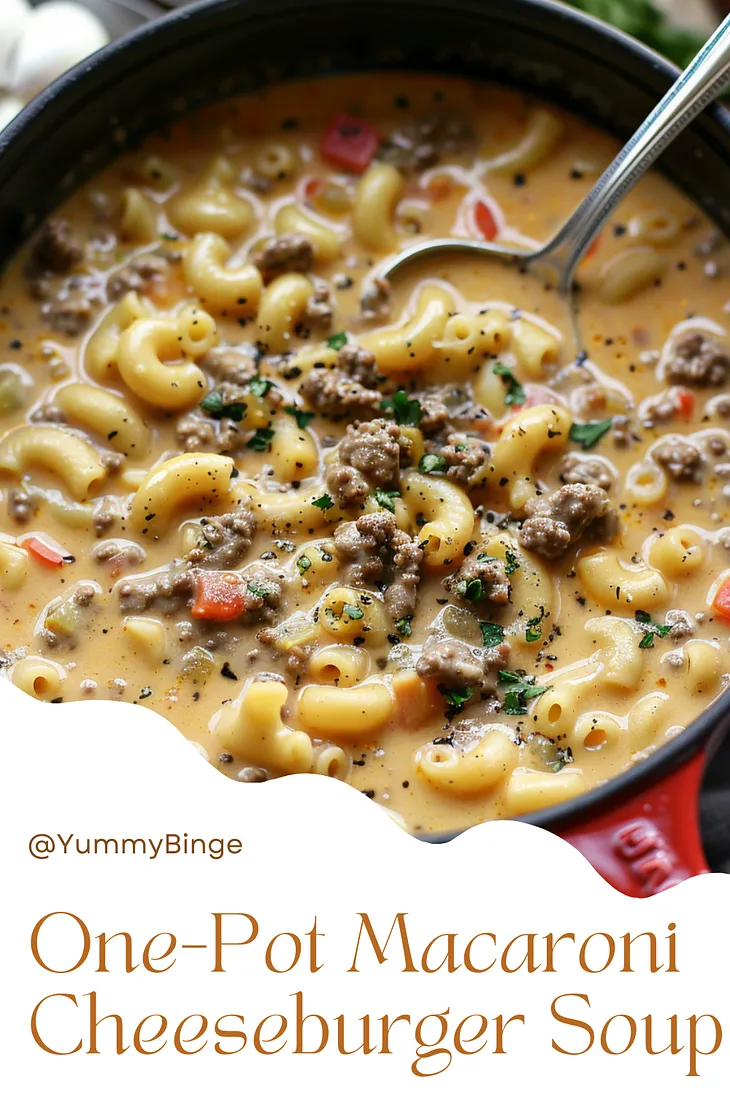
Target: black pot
<point>641,830</point>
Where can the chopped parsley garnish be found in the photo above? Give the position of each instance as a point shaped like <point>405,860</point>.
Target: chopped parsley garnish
<point>384,498</point>
<point>518,689</point>
<point>354,612</point>
<point>510,562</point>
<point>562,757</point>
<point>552,755</point>
<point>431,464</point>
<point>323,502</point>
<point>260,440</point>
<point>337,341</point>
<point>303,417</point>
<point>471,590</point>
<point>260,386</point>
<point>651,629</point>
<point>533,631</point>
<point>456,698</point>
<point>649,23</point>
<point>589,434</point>
<point>403,627</point>
<point>515,393</point>
<point>492,634</point>
<point>258,590</point>
<point>214,406</point>
<point>406,411</point>
<point>303,563</point>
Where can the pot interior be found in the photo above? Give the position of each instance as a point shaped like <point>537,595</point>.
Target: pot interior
<point>221,48</point>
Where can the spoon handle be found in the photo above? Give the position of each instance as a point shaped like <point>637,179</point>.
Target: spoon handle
<point>697,86</point>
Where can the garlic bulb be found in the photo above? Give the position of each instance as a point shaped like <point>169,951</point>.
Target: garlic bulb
<point>53,38</point>
<point>13,14</point>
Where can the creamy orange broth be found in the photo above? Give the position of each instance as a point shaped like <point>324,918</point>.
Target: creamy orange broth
<point>621,699</point>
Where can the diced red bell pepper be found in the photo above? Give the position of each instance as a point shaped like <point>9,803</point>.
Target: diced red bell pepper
<point>485,221</point>
<point>721,600</point>
<point>685,402</point>
<point>312,186</point>
<point>49,554</point>
<point>350,143</point>
<point>219,595</point>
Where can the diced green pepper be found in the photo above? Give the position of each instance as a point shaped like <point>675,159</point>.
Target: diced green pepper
<point>11,393</point>
<point>64,619</point>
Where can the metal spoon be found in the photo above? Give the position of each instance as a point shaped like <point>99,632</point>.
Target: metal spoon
<point>697,86</point>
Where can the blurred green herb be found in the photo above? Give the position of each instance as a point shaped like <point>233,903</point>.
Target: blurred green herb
<point>647,22</point>
<point>406,411</point>
<point>385,498</point>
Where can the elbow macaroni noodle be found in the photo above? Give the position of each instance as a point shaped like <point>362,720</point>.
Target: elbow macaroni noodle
<point>324,240</point>
<point>108,416</point>
<point>201,478</point>
<point>213,205</point>
<point>414,344</point>
<point>282,308</point>
<point>72,460</point>
<point>526,438</point>
<point>375,200</point>
<point>217,285</point>
<point>141,366</point>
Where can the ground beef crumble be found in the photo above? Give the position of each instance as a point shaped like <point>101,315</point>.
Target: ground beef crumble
<point>680,458</point>
<point>555,521</point>
<point>423,143</point>
<point>196,432</point>
<point>591,470</point>
<point>467,458</point>
<point>495,586</point>
<point>57,249</point>
<point>457,665</point>
<point>350,387</point>
<point>263,593</point>
<point>319,309</point>
<point>69,314</point>
<point>681,623</point>
<point>223,540</point>
<point>375,300</point>
<point>169,589</point>
<point>697,360</point>
<point>135,275</point>
<point>291,253</point>
<point>232,364</point>
<point>369,455</point>
<point>374,551</point>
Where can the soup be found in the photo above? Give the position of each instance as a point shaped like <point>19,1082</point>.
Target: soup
<point>412,536</point>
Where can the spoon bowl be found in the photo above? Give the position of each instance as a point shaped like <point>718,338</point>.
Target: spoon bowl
<point>701,81</point>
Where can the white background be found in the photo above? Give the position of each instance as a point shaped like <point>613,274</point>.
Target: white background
<point>312,847</point>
